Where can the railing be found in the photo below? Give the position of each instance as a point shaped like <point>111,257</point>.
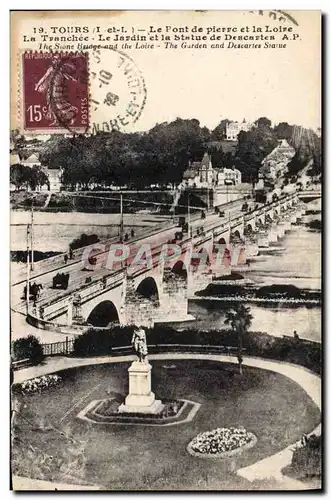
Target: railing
<point>67,347</point>
<point>54,327</point>
<point>58,348</point>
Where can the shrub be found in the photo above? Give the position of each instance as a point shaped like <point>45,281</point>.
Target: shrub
<point>315,224</point>
<point>307,458</point>
<point>28,348</point>
<point>95,342</point>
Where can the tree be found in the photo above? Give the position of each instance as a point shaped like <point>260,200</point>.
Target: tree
<point>17,140</point>
<point>253,147</point>
<point>28,348</point>
<point>284,131</point>
<point>219,132</point>
<point>22,176</point>
<point>240,320</point>
<point>37,177</point>
<point>263,122</point>
<point>217,155</point>
<point>19,175</point>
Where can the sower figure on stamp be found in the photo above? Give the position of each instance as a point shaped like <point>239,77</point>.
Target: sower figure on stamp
<point>53,84</point>
<point>139,344</point>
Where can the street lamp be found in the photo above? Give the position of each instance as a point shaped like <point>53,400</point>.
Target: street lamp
<point>188,215</point>
<point>27,268</point>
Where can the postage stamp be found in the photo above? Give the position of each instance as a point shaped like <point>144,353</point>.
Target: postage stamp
<point>118,91</point>
<point>54,92</point>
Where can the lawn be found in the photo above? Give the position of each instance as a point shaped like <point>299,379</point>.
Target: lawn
<point>128,457</point>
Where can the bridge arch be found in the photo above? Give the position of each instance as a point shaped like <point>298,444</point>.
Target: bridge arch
<point>222,241</point>
<point>236,234</point>
<point>249,229</point>
<point>103,314</point>
<point>179,269</point>
<point>148,289</point>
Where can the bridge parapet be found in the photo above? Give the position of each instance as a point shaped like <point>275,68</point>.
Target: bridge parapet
<point>60,305</point>
<point>249,216</point>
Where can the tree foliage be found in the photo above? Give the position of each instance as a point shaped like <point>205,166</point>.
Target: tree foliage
<point>22,176</point>
<point>263,123</point>
<point>284,131</point>
<point>27,348</point>
<point>219,132</point>
<point>138,159</point>
<point>240,319</point>
<point>161,155</point>
<point>253,147</point>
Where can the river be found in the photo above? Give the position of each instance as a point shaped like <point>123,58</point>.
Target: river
<point>54,231</point>
<point>297,262</point>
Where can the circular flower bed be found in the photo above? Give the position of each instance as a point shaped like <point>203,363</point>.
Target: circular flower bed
<point>221,443</point>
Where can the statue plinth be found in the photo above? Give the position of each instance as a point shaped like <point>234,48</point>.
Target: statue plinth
<point>140,399</point>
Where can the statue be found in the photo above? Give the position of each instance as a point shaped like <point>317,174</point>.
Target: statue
<point>140,399</point>
<point>139,344</point>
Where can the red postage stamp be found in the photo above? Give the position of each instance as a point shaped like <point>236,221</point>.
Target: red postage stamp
<point>55,92</point>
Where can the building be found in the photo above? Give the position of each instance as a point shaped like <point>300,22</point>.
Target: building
<point>14,159</point>
<point>31,161</point>
<point>54,179</point>
<point>233,128</point>
<point>228,176</point>
<point>275,163</point>
<point>38,138</point>
<point>200,174</point>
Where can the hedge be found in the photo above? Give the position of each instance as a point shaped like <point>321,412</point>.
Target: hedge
<point>101,342</point>
<point>27,348</point>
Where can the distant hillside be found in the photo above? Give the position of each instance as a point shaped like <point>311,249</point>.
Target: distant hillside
<point>161,155</point>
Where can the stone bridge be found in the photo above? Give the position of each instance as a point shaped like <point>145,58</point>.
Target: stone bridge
<point>158,290</point>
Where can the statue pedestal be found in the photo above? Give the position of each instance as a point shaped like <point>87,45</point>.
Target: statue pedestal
<point>140,398</point>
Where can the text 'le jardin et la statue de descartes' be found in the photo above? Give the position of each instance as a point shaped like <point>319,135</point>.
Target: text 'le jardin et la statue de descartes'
<point>188,37</point>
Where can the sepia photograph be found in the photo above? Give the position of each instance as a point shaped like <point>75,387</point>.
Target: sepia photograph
<point>165,250</point>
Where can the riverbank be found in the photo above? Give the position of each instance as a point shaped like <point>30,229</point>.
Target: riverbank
<point>278,320</point>
<point>54,231</point>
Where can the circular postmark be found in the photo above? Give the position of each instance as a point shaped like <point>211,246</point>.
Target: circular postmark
<point>277,15</point>
<point>117,91</point>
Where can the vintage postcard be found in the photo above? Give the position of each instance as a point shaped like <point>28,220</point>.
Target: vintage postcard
<point>165,192</point>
